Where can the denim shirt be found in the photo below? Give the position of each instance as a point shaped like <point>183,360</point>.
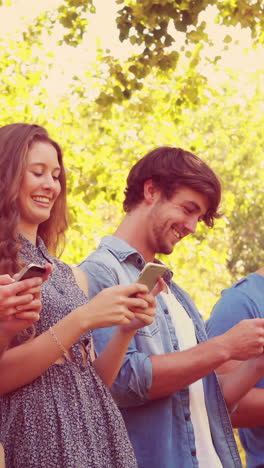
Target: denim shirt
<point>161,431</point>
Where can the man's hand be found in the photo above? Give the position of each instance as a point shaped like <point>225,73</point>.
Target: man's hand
<point>245,340</point>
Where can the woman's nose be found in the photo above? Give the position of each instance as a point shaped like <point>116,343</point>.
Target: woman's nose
<point>48,182</point>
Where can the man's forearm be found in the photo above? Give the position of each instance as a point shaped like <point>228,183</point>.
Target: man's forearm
<point>250,410</point>
<point>238,382</point>
<point>172,372</point>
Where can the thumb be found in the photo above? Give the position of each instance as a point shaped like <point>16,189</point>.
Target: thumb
<point>5,279</point>
<point>159,286</point>
<point>48,267</point>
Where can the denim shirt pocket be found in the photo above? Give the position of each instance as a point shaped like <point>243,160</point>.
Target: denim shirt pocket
<point>149,330</point>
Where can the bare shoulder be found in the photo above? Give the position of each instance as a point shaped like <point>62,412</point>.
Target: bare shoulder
<point>81,279</point>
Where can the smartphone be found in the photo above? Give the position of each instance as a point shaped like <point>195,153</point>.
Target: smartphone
<point>150,274</point>
<point>31,271</point>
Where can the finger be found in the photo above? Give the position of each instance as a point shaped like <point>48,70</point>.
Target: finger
<point>147,297</point>
<point>134,289</point>
<point>26,284</point>
<point>5,279</point>
<point>125,321</point>
<point>129,315</point>
<point>29,316</point>
<point>36,291</point>
<point>34,305</point>
<point>159,286</point>
<point>37,295</point>
<point>145,319</point>
<point>48,267</point>
<point>15,301</point>
<point>9,312</point>
<point>150,300</point>
<point>151,312</point>
<point>135,302</point>
<point>6,314</point>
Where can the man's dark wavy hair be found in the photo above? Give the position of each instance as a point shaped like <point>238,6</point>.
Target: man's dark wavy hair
<point>170,169</point>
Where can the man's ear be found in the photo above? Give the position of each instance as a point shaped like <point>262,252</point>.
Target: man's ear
<point>151,192</point>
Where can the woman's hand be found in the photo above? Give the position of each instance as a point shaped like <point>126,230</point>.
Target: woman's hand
<point>18,307</point>
<point>16,295</point>
<point>118,305</point>
<point>145,317</point>
<point>20,302</point>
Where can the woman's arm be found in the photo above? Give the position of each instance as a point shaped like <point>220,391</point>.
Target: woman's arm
<point>108,363</point>
<point>22,364</point>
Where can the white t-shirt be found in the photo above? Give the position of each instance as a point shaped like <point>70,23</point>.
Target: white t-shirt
<point>185,331</point>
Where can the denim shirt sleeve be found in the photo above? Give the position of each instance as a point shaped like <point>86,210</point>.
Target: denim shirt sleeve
<point>135,377</point>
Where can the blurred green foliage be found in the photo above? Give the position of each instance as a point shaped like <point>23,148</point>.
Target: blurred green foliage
<point>162,32</point>
<point>148,100</point>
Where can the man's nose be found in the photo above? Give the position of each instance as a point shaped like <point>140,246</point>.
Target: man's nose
<point>191,224</point>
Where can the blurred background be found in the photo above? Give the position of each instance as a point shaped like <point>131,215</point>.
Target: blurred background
<point>113,79</point>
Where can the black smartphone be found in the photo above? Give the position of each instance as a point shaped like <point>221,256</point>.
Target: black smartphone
<point>31,271</point>
<point>150,274</point>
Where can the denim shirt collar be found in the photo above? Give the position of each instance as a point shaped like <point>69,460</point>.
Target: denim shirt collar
<point>122,250</point>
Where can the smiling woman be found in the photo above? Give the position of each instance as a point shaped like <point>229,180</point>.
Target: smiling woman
<point>20,146</point>
<point>53,383</point>
<point>40,187</point>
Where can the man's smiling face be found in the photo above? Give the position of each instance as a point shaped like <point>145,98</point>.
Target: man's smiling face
<point>171,220</point>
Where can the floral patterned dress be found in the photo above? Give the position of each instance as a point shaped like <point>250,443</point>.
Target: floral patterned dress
<point>66,417</point>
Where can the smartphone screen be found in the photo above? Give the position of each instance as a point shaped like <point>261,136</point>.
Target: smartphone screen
<point>31,271</point>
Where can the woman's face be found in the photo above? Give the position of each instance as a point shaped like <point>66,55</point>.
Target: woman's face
<point>40,185</point>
